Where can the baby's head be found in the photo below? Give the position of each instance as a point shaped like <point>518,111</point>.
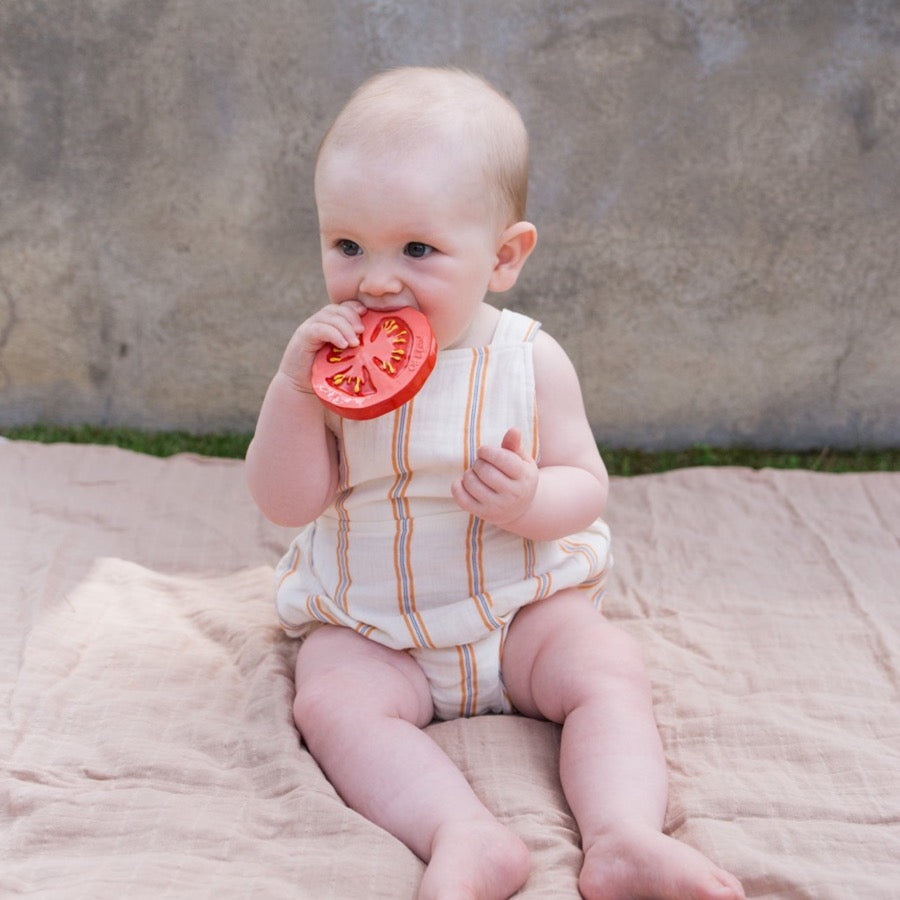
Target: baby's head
<point>420,192</point>
<point>405,111</point>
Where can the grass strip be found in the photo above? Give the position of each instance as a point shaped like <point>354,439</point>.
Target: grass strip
<point>153,443</point>
<point>641,462</point>
<point>618,461</point>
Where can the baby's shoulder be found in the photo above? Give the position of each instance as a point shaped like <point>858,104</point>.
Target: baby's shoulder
<point>553,369</point>
<point>546,346</point>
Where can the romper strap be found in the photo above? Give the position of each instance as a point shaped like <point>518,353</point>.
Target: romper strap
<point>513,328</point>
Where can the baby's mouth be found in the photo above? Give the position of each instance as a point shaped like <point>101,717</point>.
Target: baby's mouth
<point>391,306</point>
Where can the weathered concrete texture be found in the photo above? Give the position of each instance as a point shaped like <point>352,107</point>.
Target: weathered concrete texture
<point>716,186</point>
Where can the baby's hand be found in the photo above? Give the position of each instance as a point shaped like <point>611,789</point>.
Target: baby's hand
<point>339,324</point>
<point>501,484</point>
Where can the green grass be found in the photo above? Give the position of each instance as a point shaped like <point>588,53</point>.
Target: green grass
<point>619,462</point>
<point>640,462</point>
<point>154,443</point>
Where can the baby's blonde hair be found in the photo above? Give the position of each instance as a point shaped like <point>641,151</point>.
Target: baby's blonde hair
<point>399,108</point>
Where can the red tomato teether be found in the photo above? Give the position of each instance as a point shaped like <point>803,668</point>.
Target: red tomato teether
<point>396,354</point>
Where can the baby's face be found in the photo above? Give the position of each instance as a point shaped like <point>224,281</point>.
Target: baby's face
<point>413,229</point>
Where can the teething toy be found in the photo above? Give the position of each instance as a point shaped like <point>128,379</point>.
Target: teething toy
<point>396,353</point>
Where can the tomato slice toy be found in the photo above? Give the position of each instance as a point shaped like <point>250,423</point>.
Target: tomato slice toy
<point>396,353</point>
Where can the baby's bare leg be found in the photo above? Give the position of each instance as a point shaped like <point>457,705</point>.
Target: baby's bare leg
<point>565,662</point>
<point>360,708</point>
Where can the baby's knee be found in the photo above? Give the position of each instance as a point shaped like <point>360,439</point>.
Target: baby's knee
<point>625,649</point>
<point>610,655</point>
<point>623,661</point>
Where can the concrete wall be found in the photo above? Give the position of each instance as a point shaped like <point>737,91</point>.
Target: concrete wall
<point>716,185</point>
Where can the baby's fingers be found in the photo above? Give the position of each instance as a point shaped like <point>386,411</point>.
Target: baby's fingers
<point>464,500</point>
<point>505,461</point>
<point>338,324</point>
<point>492,476</point>
<point>476,492</point>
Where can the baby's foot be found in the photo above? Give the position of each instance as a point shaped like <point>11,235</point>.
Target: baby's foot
<point>648,864</point>
<point>482,860</point>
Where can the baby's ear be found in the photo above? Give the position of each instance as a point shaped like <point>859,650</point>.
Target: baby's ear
<point>515,246</point>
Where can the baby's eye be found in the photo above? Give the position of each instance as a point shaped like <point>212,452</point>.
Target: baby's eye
<point>417,250</point>
<point>348,247</point>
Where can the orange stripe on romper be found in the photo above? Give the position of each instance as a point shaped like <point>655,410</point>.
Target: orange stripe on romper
<point>543,583</point>
<point>406,595</point>
<point>317,610</point>
<point>472,441</point>
<point>503,636</point>
<point>467,461</point>
<point>487,357</point>
<point>342,548</point>
<point>295,561</point>
<point>468,681</point>
<point>466,422</point>
<point>595,583</point>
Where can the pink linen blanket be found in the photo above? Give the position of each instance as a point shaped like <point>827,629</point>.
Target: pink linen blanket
<point>146,742</point>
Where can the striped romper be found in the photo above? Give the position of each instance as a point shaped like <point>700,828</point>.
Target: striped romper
<point>398,561</point>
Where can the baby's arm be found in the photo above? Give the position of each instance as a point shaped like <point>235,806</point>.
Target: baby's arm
<point>567,491</point>
<point>292,462</point>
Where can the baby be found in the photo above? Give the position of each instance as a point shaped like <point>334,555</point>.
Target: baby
<point>452,557</point>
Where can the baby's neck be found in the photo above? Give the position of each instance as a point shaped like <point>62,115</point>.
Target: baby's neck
<point>481,329</point>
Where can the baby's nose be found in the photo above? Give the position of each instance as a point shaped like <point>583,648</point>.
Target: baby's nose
<point>380,279</point>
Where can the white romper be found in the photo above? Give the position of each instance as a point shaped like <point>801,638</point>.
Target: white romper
<point>398,561</point>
